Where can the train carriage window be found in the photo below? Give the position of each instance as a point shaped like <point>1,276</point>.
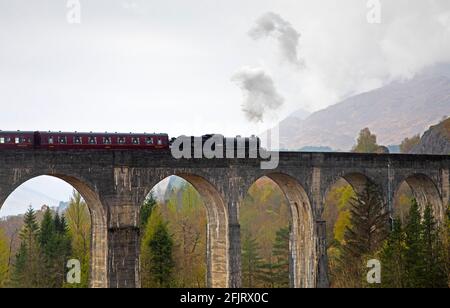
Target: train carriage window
<point>77,140</point>
<point>149,140</point>
<point>17,140</point>
<point>121,140</point>
<point>107,140</point>
<point>62,140</point>
<point>92,140</point>
<point>136,140</point>
<point>159,142</point>
<point>2,140</point>
<point>50,140</point>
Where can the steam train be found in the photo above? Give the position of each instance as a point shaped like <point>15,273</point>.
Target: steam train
<point>79,141</point>
<point>116,141</point>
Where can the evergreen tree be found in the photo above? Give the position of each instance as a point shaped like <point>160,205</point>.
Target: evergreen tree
<point>19,274</point>
<point>48,229</point>
<point>48,249</point>
<point>28,260</point>
<point>55,246</point>
<point>157,260</point>
<point>251,262</point>
<point>414,248</point>
<point>368,224</point>
<point>281,255</point>
<point>161,249</point>
<point>434,272</point>
<point>57,222</point>
<point>366,234</point>
<point>267,274</point>
<point>63,249</point>
<point>393,258</point>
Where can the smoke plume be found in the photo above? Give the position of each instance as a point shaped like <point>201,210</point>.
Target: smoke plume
<point>274,26</point>
<point>259,91</point>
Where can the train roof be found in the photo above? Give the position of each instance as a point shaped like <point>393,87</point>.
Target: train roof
<point>15,132</point>
<point>83,133</point>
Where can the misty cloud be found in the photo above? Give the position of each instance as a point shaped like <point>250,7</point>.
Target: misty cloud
<point>260,93</point>
<point>273,25</point>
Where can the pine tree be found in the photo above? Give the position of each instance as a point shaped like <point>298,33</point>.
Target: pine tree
<point>414,249</point>
<point>281,255</point>
<point>267,274</point>
<point>157,256</point>
<point>161,248</point>
<point>47,228</point>
<point>368,223</point>
<point>251,262</point>
<point>366,234</point>
<point>55,246</point>
<point>19,274</point>
<point>393,258</point>
<point>434,272</point>
<point>47,246</point>
<point>63,249</point>
<point>28,260</point>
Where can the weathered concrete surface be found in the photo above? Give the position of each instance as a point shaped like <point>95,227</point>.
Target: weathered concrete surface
<point>115,183</point>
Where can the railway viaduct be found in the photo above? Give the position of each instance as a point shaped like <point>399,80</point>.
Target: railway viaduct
<point>115,184</point>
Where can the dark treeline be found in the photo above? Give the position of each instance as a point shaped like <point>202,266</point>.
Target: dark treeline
<point>413,254</point>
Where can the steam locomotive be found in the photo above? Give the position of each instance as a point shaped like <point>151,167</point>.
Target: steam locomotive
<point>79,141</point>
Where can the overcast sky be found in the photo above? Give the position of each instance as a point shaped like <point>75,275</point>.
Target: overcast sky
<point>203,66</point>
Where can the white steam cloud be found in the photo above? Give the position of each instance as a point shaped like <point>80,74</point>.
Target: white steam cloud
<point>260,93</point>
<point>274,26</point>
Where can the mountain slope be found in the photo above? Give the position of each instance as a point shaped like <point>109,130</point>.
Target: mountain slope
<point>435,141</point>
<point>393,112</point>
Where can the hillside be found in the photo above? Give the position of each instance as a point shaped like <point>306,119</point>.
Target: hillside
<point>393,112</point>
<point>436,140</point>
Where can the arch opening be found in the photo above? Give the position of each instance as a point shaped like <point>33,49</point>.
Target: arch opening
<point>88,206</point>
<point>197,219</point>
<point>296,216</point>
<point>421,188</point>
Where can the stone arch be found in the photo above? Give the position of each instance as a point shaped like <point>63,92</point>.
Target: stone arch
<point>357,180</point>
<point>425,191</point>
<point>217,230</point>
<point>99,269</point>
<point>303,237</point>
